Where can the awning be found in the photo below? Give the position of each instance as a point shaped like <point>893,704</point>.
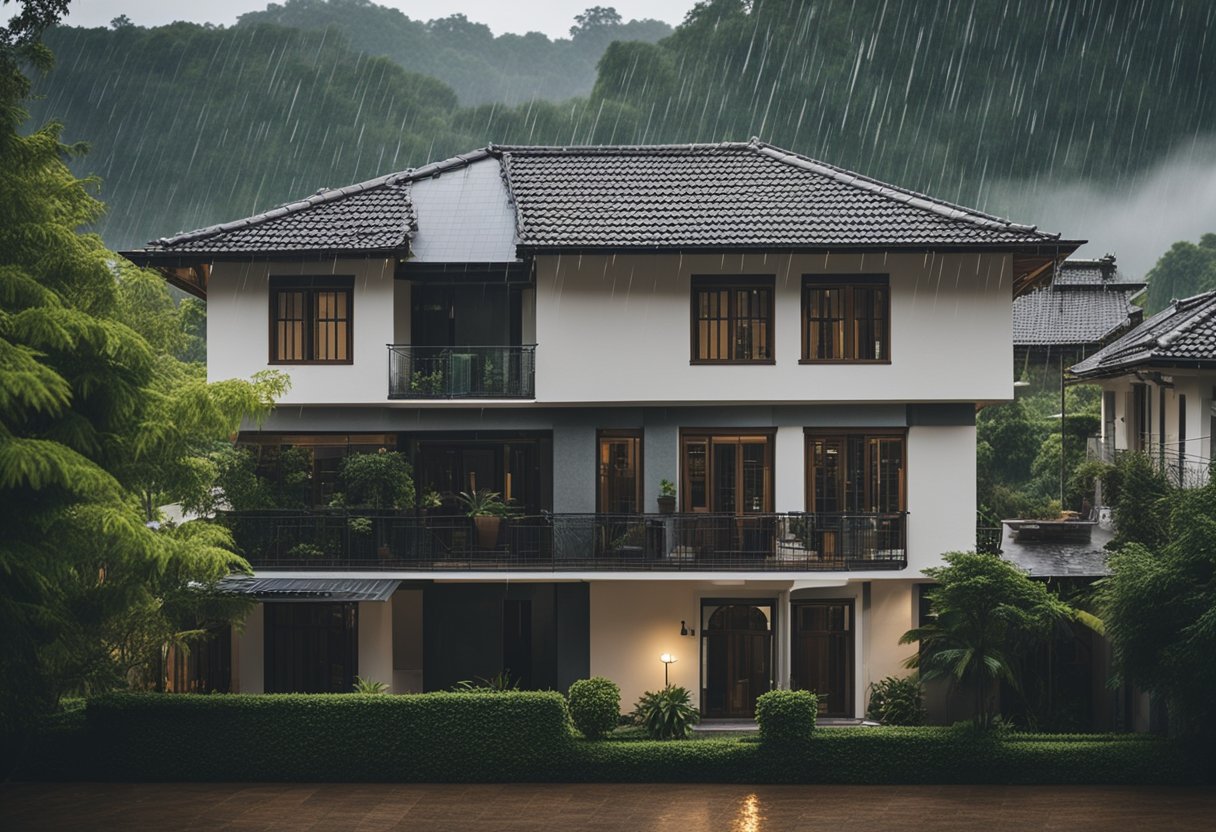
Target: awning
<point>312,589</point>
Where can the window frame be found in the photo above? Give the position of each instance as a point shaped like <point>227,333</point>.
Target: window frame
<point>847,284</point>
<point>700,283</point>
<point>809,437</point>
<point>311,286</point>
<point>608,434</point>
<point>711,436</point>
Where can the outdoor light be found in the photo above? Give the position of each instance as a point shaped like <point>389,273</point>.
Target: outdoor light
<point>667,659</point>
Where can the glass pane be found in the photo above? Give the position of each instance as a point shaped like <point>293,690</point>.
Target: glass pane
<point>725,483</point>
<point>618,461</point>
<point>754,478</point>
<point>695,462</point>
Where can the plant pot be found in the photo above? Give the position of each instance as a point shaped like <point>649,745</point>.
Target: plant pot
<point>487,526</point>
<point>667,505</point>
<point>384,552</point>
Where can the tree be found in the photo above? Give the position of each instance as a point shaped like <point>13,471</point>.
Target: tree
<point>91,424</point>
<point>1185,270</point>
<point>986,614</point>
<point>596,17</point>
<point>1159,608</point>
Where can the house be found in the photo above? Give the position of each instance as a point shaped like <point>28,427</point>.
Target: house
<point>1158,385</point>
<point>1087,304</point>
<point>798,349</point>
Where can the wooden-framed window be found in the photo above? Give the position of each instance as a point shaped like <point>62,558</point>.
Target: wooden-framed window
<point>846,319</point>
<point>619,463</point>
<point>311,320</point>
<point>732,320</point>
<point>856,471</point>
<point>727,473</point>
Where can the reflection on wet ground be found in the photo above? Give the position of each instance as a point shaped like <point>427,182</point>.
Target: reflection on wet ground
<point>605,807</point>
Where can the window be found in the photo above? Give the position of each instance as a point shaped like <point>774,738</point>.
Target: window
<point>310,320</point>
<point>846,319</point>
<point>855,472</point>
<point>732,320</point>
<point>620,472</point>
<point>727,473</point>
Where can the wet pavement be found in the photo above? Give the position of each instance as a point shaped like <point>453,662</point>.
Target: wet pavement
<point>605,807</point>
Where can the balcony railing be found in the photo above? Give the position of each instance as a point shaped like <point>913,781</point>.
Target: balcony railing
<point>573,542</point>
<point>1179,468</point>
<point>461,372</point>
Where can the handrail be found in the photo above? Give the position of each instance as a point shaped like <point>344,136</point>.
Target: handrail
<point>462,372</point>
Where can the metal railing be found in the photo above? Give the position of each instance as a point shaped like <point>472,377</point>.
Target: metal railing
<point>1179,468</point>
<point>461,372</point>
<point>988,539</point>
<point>572,542</point>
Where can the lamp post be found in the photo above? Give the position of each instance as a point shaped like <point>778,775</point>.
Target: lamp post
<point>667,659</point>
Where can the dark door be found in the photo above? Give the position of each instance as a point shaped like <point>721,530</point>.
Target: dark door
<point>311,648</point>
<point>517,642</point>
<point>736,656</point>
<point>822,654</point>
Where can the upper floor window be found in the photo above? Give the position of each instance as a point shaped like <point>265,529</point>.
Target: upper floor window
<point>846,319</point>
<point>732,320</point>
<point>311,320</point>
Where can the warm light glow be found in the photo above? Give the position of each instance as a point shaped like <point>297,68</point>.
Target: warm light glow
<point>749,817</point>
<point>667,658</point>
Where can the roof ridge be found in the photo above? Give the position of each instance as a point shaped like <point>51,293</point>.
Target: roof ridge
<point>916,199</point>
<point>1199,315</point>
<point>617,148</point>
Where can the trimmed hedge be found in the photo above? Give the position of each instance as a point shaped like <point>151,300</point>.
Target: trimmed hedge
<point>524,736</point>
<point>595,706</point>
<point>786,717</point>
<point>466,737</point>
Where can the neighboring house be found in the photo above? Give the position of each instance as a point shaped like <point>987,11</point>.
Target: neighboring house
<point>1158,388</point>
<point>1087,304</point>
<point>798,348</point>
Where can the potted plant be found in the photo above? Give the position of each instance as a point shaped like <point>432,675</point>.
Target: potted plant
<point>487,509</point>
<point>429,500</point>
<point>667,497</point>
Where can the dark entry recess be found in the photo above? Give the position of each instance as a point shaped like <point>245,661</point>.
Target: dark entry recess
<point>736,655</point>
<point>311,648</point>
<point>822,653</point>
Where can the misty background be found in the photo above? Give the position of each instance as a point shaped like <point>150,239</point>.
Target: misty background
<point>1086,117</point>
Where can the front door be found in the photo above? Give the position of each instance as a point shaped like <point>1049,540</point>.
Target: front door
<point>822,653</point>
<point>736,656</point>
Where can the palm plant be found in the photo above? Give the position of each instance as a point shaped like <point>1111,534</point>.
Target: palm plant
<point>986,613</point>
<point>667,714</point>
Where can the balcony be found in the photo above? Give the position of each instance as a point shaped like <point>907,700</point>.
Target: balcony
<point>335,539</point>
<point>416,372</point>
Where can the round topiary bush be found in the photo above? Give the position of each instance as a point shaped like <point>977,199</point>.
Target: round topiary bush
<point>595,706</point>
<point>786,716</point>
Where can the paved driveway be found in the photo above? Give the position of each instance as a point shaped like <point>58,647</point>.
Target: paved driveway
<point>605,807</point>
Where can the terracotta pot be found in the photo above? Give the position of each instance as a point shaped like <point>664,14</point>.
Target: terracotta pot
<point>487,526</point>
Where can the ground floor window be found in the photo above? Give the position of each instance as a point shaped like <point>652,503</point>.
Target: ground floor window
<point>311,647</point>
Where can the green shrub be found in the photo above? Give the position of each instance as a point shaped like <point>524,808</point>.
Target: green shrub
<point>595,706</point>
<point>666,714</point>
<point>466,737</point>
<point>895,701</point>
<point>786,716</point>
<point>369,686</point>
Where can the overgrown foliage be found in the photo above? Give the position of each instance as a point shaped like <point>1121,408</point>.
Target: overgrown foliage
<point>1186,269</point>
<point>595,706</point>
<point>786,717</point>
<point>985,614</point>
<point>382,480</point>
<point>897,701</point>
<point>1159,610</point>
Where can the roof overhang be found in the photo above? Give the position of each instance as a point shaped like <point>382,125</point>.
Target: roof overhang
<point>191,271</point>
<point>1142,367</point>
<point>315,590</point>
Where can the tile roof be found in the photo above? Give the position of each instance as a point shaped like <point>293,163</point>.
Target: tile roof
<point>732,194</point>
<point>1060,559</point>
<point>729,194</point>
<point>1086,303</point>
<point>1182,334</point>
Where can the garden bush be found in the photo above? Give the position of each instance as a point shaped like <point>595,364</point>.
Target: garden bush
<point>786,717</point>
<point>896,701</point>
<point>595,706</point>
<point>667,714</point>
<point>469,737</point>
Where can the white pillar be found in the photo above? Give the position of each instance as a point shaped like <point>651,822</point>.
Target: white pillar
<point>376,641</point>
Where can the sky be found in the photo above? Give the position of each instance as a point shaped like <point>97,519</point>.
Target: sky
<point>553,17</point>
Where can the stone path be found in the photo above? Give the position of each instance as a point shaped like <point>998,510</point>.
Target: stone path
<point>604,807</point>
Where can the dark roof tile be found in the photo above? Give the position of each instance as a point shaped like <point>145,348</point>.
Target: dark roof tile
<point>1183,334</point>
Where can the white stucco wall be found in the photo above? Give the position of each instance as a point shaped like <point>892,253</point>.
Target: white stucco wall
<point>892,613</point>
<point>1197,387</point>
<point>941,493</point>
<point>616,329</point>
<point>376,641</point>
<point>238,329</point>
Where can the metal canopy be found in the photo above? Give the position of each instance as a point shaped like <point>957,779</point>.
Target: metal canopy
<point>319,590</point>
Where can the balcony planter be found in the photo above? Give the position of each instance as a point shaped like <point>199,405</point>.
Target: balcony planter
<point>487,509</point>
<point>488,526</point>
<point>667,497</point>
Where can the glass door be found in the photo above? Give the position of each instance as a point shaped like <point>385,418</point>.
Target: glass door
<point>729,476</point>
<point>822,654</point>
<point>736,656</point>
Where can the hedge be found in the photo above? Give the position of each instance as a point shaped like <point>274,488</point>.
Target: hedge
<point>466,737</point>
<point>786,717</point>
<point>520,737</point>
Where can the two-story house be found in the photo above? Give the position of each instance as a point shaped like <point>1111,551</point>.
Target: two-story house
<point>799,350</point>
<point>1159,390</point>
